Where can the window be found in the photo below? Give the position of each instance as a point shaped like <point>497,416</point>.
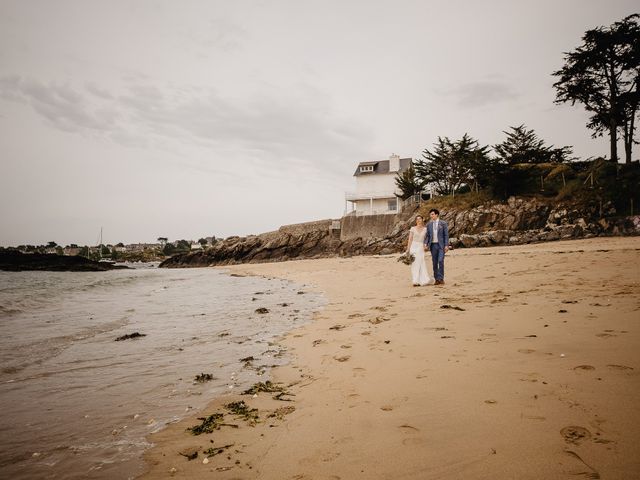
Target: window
<point>366,168</point>
<point>392,205</point>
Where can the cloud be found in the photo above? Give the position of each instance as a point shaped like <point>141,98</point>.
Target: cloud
<point>290,129</point>
<point>61,105</point>
<point>483,92</point>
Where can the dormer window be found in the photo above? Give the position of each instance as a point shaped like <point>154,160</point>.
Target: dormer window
<point>366,168</point>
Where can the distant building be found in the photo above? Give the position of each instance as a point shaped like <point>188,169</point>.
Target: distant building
<point>141,247</point>
<point>71,251</point>
<point>196,246</point>
<point>376,187</point>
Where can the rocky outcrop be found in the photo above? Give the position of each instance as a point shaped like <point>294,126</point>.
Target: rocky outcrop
<point>514,222</point>
<point>542,223</point>
<point>14,261</point>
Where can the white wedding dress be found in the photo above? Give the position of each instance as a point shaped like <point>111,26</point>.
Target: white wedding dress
<point>419,272</point>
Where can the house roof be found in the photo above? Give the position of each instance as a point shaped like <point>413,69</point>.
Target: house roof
<point>381,167</point>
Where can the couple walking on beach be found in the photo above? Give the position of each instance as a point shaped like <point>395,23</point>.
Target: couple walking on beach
<point>432,237</point>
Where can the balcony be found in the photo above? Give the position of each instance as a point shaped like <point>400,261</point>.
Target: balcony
<point>353,196</point>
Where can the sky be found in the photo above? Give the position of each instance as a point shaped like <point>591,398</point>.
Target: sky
<point>196,118</point>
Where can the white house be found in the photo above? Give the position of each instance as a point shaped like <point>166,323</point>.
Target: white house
<point>376,187</point>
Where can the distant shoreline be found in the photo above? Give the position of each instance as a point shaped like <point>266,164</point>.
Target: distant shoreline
<point>14,261</point>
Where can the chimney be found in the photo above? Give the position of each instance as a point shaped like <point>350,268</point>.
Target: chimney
<point>394,163</point>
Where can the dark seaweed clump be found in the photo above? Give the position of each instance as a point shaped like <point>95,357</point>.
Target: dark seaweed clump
<point>129,336</point>
<point>208,425</point>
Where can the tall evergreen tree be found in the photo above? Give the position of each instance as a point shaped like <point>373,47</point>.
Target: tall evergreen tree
<point>524,146</point>
<point>408,183</point>
<point>603,74</point>
<point>451,164</point>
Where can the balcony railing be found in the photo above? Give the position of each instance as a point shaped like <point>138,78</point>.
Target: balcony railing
<point>352,196</point>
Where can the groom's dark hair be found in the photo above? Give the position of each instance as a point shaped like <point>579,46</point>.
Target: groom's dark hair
<point>435,210</point>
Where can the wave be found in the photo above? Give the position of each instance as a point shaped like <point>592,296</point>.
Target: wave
<point>7,311</point>
<point>37,352</point>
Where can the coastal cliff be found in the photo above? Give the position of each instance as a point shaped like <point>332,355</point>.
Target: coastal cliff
<point>514,222</point>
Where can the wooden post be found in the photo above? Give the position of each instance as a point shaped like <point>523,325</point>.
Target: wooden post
<point>542,183</point>
<point>564,183</point>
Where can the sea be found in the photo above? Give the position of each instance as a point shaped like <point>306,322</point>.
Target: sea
<point>76,403</point>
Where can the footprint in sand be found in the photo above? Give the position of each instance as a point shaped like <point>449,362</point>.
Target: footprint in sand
<point>413,441</point>
<point>619,367</point>
<point>356,315</point>
<point>584,367</point>
<point>377,320</point>
<point>382,309</point>
<point>406,427</point>
<point>605,335</point>
<point>525,350</point>
<point>343,358</point>
<point>359,372</point>
<point>386,408</point>
<point>575,435</point>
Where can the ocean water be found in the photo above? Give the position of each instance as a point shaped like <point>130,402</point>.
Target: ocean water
<point>75,403</point>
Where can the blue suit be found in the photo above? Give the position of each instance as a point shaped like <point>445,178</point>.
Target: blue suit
<point>437,248</point>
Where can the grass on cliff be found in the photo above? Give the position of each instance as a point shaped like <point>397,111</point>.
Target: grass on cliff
<point>462,201</point>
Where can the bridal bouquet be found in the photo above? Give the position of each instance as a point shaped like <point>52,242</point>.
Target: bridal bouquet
<point>407,258</point>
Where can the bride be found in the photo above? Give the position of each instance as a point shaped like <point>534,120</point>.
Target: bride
<point>416,247</point>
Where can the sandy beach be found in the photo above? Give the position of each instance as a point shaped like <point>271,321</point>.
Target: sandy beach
<point>525,365</point>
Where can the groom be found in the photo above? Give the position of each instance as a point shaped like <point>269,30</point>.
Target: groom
<point>437,241</point>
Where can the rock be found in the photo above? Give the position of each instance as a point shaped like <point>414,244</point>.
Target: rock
<point>514,222</point>
<point>262,310</point>
<point>15,261</point>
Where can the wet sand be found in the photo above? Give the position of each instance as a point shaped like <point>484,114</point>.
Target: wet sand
<point>526,365</point>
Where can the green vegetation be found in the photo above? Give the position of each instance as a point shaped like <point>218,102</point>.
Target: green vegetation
<point>588,183</point>
<point>603,74</point>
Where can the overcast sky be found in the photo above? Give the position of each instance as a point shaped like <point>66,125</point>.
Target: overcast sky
<point>187,119</point>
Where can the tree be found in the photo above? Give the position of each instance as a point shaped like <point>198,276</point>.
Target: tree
<point>169,249</point>
<point>52,244</point>
<point>452,164</point>
<point>183,245</point>
<point>603,74</point>
<point>524,146</point>
<point>163,241</point>
<point>203,241</point>
<point>408,183</point>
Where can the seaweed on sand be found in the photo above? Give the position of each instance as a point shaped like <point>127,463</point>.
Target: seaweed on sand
<point>267,386</point>
<point>208,425</point>
<point>203,377</point>
<point>243,411</point>
<point>213,451</point>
